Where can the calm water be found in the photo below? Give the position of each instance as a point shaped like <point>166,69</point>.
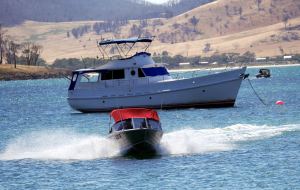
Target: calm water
<point>46,145</point>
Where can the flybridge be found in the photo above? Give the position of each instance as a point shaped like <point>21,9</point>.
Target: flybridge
<point>123,48</point>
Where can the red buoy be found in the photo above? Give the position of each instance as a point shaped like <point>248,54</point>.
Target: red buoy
<point>280,102</point>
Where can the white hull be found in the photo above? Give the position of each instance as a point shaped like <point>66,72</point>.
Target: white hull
<point>216,90</point>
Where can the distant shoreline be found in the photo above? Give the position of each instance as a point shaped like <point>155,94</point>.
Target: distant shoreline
<point>221,68</point>
<point>23,72</point>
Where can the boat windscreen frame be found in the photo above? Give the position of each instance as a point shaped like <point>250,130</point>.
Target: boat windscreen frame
<point>123,46</point>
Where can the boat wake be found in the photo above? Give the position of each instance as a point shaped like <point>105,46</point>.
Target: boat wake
<point>60,145</point>
<point>66,145</point>
<point>191,141</point>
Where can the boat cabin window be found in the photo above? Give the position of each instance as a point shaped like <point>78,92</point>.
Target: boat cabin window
<point>140,123</point>
<point>155,71</point>
<point>119,74</point>
<point>113,74</point>
<point>118,126</point>
<point>123,125</point>
<point>152,124</point>
<point>137,123</point>
<point>107,75</point>
<point>89,77</point>
<point>141,73</point>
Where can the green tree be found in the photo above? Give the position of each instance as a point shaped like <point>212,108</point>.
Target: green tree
<point>165,53</point>
<point>258,4</point>
<point>2,44</point>
<point>247,57</point>
<point>12,49</point>
<point>285,19</point>
<point>207,48</point>
<point>194,21</point>
<point>31,52</point>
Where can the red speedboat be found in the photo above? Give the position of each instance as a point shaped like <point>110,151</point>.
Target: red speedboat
<point>137,131</point>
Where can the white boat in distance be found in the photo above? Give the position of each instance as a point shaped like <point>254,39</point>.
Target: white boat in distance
<point>137,81</point>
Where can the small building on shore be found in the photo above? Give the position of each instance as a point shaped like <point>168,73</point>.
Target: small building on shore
<point>184,64</point>
<point>261,59</point>
<point>287,57</point>
<point>203,62</point>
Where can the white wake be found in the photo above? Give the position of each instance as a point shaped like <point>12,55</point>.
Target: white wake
<point>65,145</point>
<point>60,145</point>
<point>191,141</point>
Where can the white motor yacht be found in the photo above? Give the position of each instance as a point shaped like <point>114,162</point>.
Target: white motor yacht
<point>137,81</point>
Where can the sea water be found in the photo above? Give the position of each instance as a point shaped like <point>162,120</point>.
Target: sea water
<point>44,144</point>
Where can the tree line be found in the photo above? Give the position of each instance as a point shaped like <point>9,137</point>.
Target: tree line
<point>196,61</point>
<point>75,63</point>
<point>98,28</point>
<point>14,53</point>
<point>224,59</point>
<point>164,57</point>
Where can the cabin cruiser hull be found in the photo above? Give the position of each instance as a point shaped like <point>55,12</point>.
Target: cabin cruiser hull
<point>137,141</point>
<point>216,90</point>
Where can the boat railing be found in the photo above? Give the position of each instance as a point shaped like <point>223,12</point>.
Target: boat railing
<point>199,73</point>
<point>123,82</point>
<point>134,82</point>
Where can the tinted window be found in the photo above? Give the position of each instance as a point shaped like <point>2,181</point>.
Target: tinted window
<point>114,74</point>
<point>141,73</point>
<point>118,74</point>
<point>155,71</point>
<point>152,124</point>
<point>106,75</point>
<point>140,123</point>
<point>118,126</point>
<point>127,124</point>
<point>123,125</point>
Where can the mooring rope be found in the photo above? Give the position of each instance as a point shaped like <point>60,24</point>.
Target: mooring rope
<point>262,101</point>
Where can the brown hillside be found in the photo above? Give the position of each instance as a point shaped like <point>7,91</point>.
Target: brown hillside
<point>226,25</point>
<point>225,17</point>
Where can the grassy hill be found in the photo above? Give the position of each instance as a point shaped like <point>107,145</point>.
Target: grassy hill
<point>226,25</point>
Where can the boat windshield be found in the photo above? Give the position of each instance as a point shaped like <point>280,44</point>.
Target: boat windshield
<point>152,124</point>
<point>140,123</point>
<point>137,123</point>
<point>155,71</point>
<point>123,125</point>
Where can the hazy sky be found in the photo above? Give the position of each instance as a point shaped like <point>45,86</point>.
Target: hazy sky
<point>157,1</point>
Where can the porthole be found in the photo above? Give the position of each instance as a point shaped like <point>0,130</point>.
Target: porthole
<point>132,72</point>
